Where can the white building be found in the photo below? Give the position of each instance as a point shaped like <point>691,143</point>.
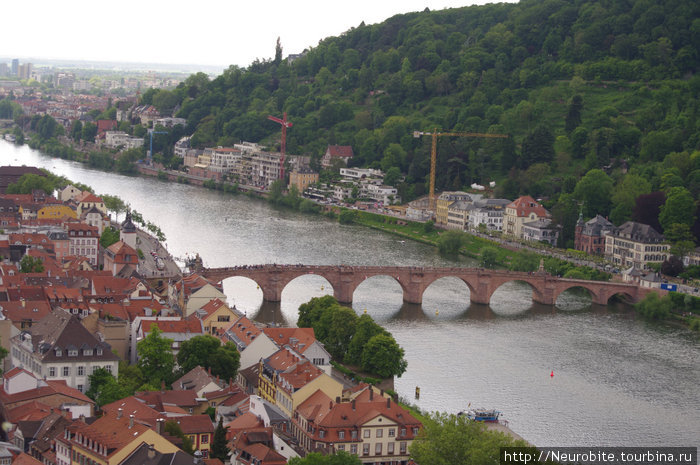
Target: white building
<point>361,173</point>
<point>121,139</point>
<point>488,212</point>
<point>59,347</point>
<point>386,195</point>
<point>223,159</point>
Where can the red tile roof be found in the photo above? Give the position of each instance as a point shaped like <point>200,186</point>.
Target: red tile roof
<point>188,325</point>
<point>344,151</point>
<point>525,205</point>
<point>299,339</point>
<point>195,424</point>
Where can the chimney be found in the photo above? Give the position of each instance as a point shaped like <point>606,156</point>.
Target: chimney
<point>151,452</point>
<point>353,404</point>
<point>159,425</point>
<point>371,393</point>
<point>330,404</point>
<point>337,400</point>
<point>388,403</point>
<point>162,385</point>
<point>131,421</point>
<point>119,412</point>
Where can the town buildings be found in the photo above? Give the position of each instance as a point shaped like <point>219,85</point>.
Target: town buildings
<point>635,244</point>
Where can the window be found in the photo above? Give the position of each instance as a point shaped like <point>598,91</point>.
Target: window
<point>341,447</point>
<point>380,433</point>
<point>390,448</point>
<point>80,388</point>
<point>378,448</point>
<point>353,449</point>
<point>341,434</point>
<point>365,449</point>
<point>66,371</point>
<point>402,448</point>
<point>81,371</point>
<point>403,431</point>
<point>415,431</point>
<point>52,372</point>
<point>59,352</point>
<point>366,433</point>
<point>322,434</point>
<point>99,351</point>
<point>73,353</point>
<point>353,434</point>
<point>87,351</point>
<point>205,439</point>
<point>108,368</point>
<point>392,432</point>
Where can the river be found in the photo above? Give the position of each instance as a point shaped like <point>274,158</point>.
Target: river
<point>618,381</point>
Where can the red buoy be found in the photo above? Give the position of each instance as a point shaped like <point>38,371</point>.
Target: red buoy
<point>551,375</point>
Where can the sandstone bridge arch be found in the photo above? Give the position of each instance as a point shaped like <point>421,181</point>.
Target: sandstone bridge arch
<point>482,283</point>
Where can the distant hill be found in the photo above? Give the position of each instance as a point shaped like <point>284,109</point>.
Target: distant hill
<point>578,85</point>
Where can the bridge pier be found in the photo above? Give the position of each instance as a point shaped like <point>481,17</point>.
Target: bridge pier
<point>344,287</point>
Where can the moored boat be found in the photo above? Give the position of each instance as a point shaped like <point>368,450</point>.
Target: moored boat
<point>481,414</point>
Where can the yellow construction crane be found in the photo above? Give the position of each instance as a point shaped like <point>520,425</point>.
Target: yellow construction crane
<point>433,152</point>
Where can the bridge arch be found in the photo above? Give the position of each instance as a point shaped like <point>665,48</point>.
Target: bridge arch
<point>515,304</point>
<point>367,278</point>
<point>446,296</point>
<point>572,297</point>
<point>563,286</point>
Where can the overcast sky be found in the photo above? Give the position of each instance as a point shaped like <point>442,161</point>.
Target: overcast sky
<point>201,32</point>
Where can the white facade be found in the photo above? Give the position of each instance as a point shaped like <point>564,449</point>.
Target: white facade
<point>361,173</point>
<point>387,195</point>
<point>74,367</point>
<point>223,160</point>
<point>116,139</point>
<point>261,347</point>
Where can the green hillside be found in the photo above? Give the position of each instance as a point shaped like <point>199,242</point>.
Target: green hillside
<point>579,86</point>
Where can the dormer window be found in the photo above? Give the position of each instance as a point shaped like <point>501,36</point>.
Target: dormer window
<point>73,353</point>
<point>59,352</point>
<point>99,351</point>
<point>87,351</point>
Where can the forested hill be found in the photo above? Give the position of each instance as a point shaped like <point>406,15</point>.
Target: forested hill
<point>579,85</point>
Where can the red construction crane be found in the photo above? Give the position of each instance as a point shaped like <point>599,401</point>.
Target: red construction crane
<point>285,124</point>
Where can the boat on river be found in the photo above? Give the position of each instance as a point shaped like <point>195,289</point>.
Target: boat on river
<point>481,414</point>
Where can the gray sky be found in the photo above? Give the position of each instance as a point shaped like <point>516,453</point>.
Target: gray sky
<point>203,32</point>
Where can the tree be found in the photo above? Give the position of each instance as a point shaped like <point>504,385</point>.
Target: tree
<point>450,242</point>
<point>114,204</point>
<point>392,176</point>
<point>673,266</point>
<point>109,236</point>
<point>626,191</point>
<point>340,332</point>
<point>89,132</point>
<point>315,458</point>
<point>3,354</point>
<point>156,358</point>
<point>488,257</point>
<point>455,439</point>
<point>647,208</point>
<point>573,117</point>
<point>30,264</point>
<point>76,130</point>
<point>278,54</point>
<point>206,351</point>
<point>595,191</point>
<point>538,147</point>
<point>679,208</point>
<point>104,388</point>
<point>219,445</point>
<point>173,428</point>
<point>347,216</point>
<point>383,356</point>
<point>653,307</point>
<point>365,329</point>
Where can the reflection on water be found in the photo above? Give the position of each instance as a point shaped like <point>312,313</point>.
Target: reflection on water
<point>618,381</point>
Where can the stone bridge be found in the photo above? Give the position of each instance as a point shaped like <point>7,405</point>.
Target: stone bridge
<point>482,283</point>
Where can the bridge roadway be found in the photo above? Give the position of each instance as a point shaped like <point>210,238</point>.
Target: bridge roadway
<point>482,283</point>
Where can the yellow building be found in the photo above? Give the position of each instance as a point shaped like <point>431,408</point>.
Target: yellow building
<point>216,316</point>
<point>56,211</point>
<point>296,385</point>
<point>302,179</point>
<point>443,203</point>
<point>110,439</point>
